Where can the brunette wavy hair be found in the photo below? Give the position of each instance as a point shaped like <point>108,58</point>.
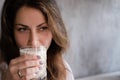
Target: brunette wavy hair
<point>55,65</point>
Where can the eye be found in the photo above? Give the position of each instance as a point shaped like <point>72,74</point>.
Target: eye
<point>22,29</point>
<point>43,28</point>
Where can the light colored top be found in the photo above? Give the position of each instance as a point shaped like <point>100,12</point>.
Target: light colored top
<point>69,72</point>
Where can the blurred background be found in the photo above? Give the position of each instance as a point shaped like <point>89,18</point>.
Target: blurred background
<point>94,31</point>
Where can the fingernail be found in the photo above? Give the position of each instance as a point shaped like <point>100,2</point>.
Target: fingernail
<point>40,63</point>
<point>39,68</point>
<point>38,57</point>
<point>36,72</point>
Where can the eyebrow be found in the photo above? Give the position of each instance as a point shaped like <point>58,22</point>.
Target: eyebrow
<point>28,26</point>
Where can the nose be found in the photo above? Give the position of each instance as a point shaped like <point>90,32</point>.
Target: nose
<point>33,39</point>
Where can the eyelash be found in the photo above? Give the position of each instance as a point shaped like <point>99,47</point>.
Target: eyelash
<point>41,29</point>
<point>22,29</point>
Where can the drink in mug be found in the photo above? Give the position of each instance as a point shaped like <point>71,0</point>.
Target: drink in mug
<point>39,51</point>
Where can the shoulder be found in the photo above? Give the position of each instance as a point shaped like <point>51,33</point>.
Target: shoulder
<point>69,73</point>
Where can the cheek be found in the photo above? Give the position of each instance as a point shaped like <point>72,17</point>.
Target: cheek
<point>20,40</point>
<point>47,39</point>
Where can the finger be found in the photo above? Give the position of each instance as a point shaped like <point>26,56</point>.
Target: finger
<point>31,77</point>
<point>14,73</point>
<point>29,71</point>
<point>23,58</point>
<point>28,64</point>
<point>23,65</point>
<point>15,77</point>
<point>25,72</point>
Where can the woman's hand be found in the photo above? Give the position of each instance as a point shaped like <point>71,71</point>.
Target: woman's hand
<point>24,67</point>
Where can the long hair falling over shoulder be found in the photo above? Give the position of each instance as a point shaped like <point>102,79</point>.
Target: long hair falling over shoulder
<point>55,65</point>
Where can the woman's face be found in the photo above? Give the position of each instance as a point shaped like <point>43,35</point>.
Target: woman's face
<point>31,29</point>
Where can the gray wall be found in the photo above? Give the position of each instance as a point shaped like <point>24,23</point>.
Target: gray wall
<point>93,27</point>
<point>94,32</point>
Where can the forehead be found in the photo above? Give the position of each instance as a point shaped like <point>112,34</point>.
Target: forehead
<point>28,15</point>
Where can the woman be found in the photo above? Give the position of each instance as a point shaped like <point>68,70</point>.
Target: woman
<point>33,23</point>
